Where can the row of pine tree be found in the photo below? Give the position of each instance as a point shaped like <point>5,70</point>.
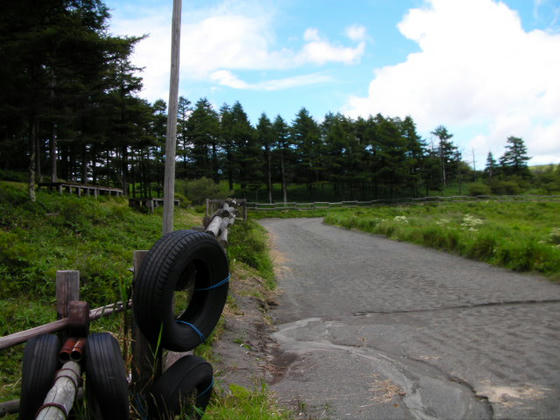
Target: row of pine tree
<point>70,110</point>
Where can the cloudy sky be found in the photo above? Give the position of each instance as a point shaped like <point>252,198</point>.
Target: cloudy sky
<point>485,69</point>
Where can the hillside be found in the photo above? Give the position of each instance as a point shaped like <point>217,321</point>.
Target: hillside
<point>96,237</point>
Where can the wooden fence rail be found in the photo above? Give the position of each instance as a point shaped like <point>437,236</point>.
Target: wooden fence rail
<point>58,325</point>
<point>80,189</point>
<point>72,313</point>
<point>213,205</point>
<point>322,205</point>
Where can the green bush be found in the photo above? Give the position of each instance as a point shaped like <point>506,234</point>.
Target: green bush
<point>478,188</point>
<point>501,187</point>
<point>8,175</point>
<point>197,190</point>
<point>184,202</point>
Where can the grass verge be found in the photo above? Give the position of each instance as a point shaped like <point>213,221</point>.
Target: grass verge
<point>248,243</point>
<point>519,236</point>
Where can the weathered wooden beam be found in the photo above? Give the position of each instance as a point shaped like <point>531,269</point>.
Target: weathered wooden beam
<point>22,336</point>
<point>109,309</point>
<point>214,226</point>
<point>9,407</point>
<point>142,355</point>
<point>67,290</point>
<point>60,398</point>
<point>51,327</point>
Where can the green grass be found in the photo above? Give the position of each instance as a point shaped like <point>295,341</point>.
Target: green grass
<point>239,403</point>
<point>248,243</point>
<point>519,236</point>
<point>96,237</point>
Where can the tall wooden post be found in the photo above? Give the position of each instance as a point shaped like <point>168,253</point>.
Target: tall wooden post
<point>171,139</point>
<point>67,290</point>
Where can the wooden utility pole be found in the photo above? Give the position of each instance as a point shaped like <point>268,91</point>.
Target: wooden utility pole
<point>171,139</point>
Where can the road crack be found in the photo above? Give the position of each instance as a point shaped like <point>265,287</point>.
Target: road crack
<point>453,307</point>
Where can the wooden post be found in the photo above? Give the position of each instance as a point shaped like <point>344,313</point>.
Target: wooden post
<point>142,354</point>
<point>67,290</point>
<point>60,398</point>
<point>9,407</point>
<point>171,138</point>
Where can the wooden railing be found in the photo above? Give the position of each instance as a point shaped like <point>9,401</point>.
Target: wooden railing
<point>81,189</point>
<point>323,205</point>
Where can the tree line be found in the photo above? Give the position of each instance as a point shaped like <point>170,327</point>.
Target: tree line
<point>70,110</point>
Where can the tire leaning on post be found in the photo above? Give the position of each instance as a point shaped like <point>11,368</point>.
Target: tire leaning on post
<point>166,269</point>
<point>106,384</point>
<point>190,376</point>
<point>40,362</point>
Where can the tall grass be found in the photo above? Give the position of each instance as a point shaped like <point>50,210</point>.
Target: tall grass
<point>520,236</point>
<point>248,243</point>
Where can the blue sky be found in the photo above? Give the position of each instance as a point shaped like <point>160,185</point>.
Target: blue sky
<point>485,69</point>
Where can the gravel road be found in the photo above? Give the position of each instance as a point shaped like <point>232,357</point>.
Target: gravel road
<point>368,328</point>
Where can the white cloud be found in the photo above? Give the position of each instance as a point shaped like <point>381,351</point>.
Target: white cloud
<point>311,34</point>
<point>227,78</point>
<point>231,36</point>
<point>356,32</point>
<point>476,66</point>
<point>320,51</point>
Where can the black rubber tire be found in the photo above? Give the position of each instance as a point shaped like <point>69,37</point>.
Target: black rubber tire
<point>163,271</point>
<point>40,363</point>
<point>106,385</point>
<point>179,383</point>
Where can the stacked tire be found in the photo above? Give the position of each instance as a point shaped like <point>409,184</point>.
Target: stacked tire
<point>40,363</point>
<point>178,261</point>
<point>106,384</point>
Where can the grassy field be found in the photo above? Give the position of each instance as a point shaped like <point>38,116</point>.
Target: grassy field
<point>98,238</point>
<point>521,236</point>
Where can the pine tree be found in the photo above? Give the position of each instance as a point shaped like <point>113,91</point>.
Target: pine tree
<point>305,136</point>
<point>265,136</point>
<point>282,145</point>
<point>490,169</point>
<point>203,134</point>
<point>514,160</point>
<point>448,153</point>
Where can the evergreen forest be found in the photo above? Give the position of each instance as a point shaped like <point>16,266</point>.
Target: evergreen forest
<point>70,110</point>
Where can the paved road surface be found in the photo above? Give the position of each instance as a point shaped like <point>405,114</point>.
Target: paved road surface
<point>370,328</point>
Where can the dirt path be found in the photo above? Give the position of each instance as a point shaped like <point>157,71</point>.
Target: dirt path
<point>372,328</point>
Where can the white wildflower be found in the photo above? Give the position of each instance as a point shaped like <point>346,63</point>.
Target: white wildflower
<point>471,223</point>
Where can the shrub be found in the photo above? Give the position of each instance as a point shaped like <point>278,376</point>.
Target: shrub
<point>505,187</point>
<point>197,190</point>
<point>478,188</point>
